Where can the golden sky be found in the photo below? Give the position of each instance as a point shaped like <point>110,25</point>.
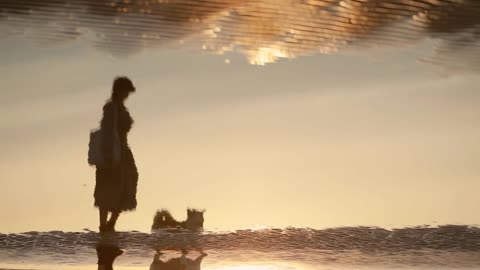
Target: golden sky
<point>321,141</point>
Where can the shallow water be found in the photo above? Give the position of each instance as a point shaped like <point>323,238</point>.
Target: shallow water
<point>444,247</point>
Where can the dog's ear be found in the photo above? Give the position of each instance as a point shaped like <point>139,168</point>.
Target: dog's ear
<point>189,212</point>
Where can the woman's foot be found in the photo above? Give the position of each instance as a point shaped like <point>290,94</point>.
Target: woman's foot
<point>113,220</point>
<point>103,228</point>
<point>110,226</point>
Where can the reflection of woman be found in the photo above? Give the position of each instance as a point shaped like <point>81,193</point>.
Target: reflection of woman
<point>116,186</point>
<point>107,253</point>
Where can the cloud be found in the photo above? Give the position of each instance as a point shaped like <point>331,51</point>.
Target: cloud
<point>263,30</point>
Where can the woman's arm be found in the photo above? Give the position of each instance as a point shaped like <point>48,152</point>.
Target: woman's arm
<point>108,132</point>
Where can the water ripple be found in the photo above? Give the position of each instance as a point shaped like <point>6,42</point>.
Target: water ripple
<point>444,245</point>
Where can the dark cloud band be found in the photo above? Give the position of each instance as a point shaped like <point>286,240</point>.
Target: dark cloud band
<point>263,30</point>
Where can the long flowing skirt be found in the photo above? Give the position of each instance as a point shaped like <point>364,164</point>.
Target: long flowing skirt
<point>116,188</point>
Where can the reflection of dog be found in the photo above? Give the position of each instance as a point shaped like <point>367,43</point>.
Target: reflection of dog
<point>172,264</point>
<point>163,219</point>
<point>180,263</point>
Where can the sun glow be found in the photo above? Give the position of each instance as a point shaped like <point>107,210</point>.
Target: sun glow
<point>266,55</point>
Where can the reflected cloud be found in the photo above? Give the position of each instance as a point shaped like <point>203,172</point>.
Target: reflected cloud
<point>263,30</point>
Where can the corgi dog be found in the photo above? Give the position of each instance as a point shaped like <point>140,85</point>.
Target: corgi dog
<point>163,219</point>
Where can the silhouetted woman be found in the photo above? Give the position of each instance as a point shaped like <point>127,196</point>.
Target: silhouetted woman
<point>116,186</point>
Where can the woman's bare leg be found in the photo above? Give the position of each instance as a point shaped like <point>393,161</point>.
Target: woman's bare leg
<point>103,214</point>
<point>113,220</point>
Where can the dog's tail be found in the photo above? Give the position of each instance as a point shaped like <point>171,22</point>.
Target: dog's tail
<point>163,219</point>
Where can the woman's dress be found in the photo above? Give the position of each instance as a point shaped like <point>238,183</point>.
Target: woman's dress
<point>116,188</point>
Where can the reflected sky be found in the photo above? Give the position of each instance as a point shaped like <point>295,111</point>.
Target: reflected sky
<point>320,141</point>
